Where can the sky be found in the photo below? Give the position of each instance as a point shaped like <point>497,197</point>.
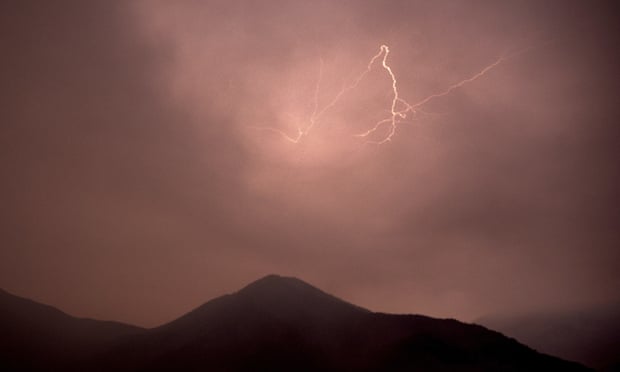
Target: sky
<point>157,154</point>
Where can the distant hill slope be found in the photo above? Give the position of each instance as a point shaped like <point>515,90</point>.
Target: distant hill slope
<point>590,336</point>
<point>274,324</point>
<point>279,323</point>
<point>39,337</point>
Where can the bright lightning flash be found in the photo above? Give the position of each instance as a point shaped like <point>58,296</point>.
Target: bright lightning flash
<point>399,108</point>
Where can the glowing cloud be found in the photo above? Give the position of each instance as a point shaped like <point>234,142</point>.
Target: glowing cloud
<point>399,109</point>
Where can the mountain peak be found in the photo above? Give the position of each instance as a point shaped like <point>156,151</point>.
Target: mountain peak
<point>290,291</point>
<point>274,278</point>
<point>274,323</point>
<point>286,298</point>
<point>278,282</point>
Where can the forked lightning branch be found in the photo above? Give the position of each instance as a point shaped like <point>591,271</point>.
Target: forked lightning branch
<point>399,109</point>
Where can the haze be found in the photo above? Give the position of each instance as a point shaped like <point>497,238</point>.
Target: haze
<point>138,180</point>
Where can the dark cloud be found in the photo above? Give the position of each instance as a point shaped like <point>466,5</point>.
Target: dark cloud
<point>138,183</point>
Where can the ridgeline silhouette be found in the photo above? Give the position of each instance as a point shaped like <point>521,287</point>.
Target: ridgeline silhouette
<point>275,323</point>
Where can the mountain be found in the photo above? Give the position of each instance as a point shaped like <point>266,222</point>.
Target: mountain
<point>34,336</point>
<point>279,323</point>
<point>590,336</point>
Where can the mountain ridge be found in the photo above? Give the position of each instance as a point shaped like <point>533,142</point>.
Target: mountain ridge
<point>284,323</point>
<point>589,335</point>
<point>33,335</point>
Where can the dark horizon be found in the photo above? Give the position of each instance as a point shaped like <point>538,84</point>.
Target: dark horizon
<point>148,157</point>
<point>273,323</point>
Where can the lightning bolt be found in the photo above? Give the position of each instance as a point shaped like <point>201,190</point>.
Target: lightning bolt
<point>399,110</point>
<point>396,116</point>
<point>316,113</point>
